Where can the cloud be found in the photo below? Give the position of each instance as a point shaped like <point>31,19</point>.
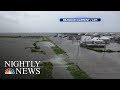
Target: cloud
<point>48,21</point>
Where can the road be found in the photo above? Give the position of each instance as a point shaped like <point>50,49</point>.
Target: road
<point>96,65</point>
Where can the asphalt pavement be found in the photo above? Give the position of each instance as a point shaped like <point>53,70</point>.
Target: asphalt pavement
<point>96,65</point>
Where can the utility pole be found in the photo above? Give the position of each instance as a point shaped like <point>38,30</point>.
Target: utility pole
<point>60,39</point>
<point>78,48</point>
<point>72,39</point>
<point>104,49</point>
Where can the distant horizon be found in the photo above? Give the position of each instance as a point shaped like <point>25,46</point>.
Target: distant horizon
<point>52,32</point>
<point>64,32</point>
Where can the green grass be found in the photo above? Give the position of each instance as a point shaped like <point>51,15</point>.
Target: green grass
<point>46,71</point>
<point>42,52</point>
<point>44,38</point>
<point>34,50</point>
<point>101,50</point>
<point>32,37</point>
<point>10,36</point>
<point>118,51</point>
<point>97,50</point>
<point>58,50</point>
<point>21,36</point>
<point>37,50</point>
<point>76,72</point>
<point>28,47</point>
<point>108,50</point>
<point>37,47</point>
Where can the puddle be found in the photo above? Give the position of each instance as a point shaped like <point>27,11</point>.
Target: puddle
<point>58,60</point>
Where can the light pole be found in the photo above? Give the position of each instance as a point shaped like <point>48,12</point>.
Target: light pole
<point>78,47</point>
<point>104,48</point>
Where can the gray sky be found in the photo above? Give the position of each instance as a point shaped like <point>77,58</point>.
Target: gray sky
<point>48,21</point>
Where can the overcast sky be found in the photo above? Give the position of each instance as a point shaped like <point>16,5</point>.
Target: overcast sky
<point>48,21</point>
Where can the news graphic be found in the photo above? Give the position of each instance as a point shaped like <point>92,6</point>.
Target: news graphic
<point>22,65</point>
<point>80,19</point>
<point>59,45</point>
<point>9,71</point>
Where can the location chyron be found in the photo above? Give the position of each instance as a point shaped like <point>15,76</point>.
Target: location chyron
<point>80,19</point>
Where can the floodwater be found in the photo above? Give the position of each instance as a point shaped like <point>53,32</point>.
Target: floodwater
<point>13,49</point>
<point>113,46</point>
<point>97,65</point>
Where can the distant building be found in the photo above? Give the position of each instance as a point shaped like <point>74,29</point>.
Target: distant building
<point>97,40</point>
<point>96,35</point>
<point>106,39</point>
<point>58,35</point>
<point>91,42</point>
<point>86,39</point>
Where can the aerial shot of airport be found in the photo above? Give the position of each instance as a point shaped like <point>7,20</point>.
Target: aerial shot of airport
<point>85,55</point>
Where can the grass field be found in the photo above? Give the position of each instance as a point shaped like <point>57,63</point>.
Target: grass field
<point>46,71</point>
<point>76,72</point>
